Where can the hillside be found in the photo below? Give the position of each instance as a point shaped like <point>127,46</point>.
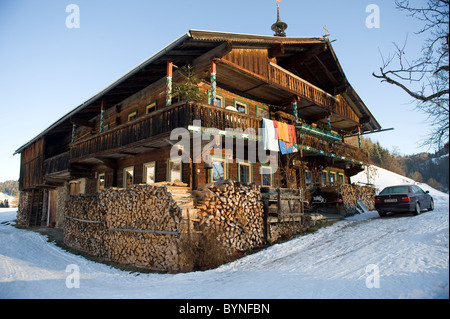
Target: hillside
<point>363,256</point>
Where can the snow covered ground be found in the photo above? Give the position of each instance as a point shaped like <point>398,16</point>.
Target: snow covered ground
<point>363,256</point>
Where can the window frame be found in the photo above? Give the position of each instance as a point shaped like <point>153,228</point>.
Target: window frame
<point>99,174</point>
<point>168,168</point>
<point>242,103</point>
<point>340,174</point>
<point>153,104</point>
<point>250,168</point>
<point>144,172</point>
<point>261,108</point>
<point>124,176</point>
<point>311,183</point>
<point>266,166</point>
<point>225,168</point>
<point>131,114</point>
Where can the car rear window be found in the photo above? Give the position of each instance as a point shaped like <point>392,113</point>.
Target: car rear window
<point>395,190</point>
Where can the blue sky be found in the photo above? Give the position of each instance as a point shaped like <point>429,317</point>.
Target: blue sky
<point>47,69</point>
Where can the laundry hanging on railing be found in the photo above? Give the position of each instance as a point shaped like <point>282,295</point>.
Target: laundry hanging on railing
<point>279,136</point>
<point>270,136</point>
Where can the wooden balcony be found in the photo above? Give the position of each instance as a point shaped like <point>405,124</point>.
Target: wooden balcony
<point>336,151</point>
<point>336,105</point>
<point>153,130</point>
<point>277,86</point>
<point>56,165</point>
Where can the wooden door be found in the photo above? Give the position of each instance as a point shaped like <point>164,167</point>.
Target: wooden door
<point>52,208</point>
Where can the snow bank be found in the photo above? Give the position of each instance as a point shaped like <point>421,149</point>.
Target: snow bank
<point>383,178</point>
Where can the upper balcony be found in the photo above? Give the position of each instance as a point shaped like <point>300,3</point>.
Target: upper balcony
<point>277,86</point>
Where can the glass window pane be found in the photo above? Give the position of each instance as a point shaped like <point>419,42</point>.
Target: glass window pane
<point>218,171</point>
<point>128,177</point>
<point>266,176</point>
<point>149,173</point>
<point>175,170</point>
<point>244,173</point>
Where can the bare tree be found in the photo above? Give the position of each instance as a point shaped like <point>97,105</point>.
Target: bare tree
<point>425,79</point>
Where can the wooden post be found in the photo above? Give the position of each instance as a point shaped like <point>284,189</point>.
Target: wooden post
<point>294,106</point>
<point>213,83</point>
<point>74,128</point>
<point>102,116</point>
<point>169,83</point>
<point>359,136</point>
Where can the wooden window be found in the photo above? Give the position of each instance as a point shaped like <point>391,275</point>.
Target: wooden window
<point>151,107</point>
<point>101,181</point>
<point>332,176</point>
<point>308,179</point>
<point>245,172</point>
<point>219,170</point>
<point>324,177</point>
<point>174,171</point>
<point>128,177</point>
<point>241,106</point>
<point>149,173</point>
<point>266,173</point>
<point>262,112</point>
<point>132,115</point>
<point>341,178</point>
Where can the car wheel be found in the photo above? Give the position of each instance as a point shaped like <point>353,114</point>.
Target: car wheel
<point>382,214</point>
<point>416,210</point>
<point>431,205</point>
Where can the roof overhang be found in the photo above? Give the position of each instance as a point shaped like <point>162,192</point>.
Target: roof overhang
<point>300,55</point>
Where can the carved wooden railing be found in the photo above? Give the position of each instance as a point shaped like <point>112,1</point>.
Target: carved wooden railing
<point>335,149</point>
<point>182,115</point>
<point>310,92</point>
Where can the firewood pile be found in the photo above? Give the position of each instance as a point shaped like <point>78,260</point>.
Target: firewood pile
<point>352,193</point>
<point>138,226</point>
<point>85,228</point>
<point>234,211</point>
<point>144,222</point>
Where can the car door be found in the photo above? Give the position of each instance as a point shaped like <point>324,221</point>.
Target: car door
<point>421,197</point>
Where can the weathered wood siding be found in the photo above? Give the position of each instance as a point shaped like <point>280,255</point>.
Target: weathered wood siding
<point>31,165</point>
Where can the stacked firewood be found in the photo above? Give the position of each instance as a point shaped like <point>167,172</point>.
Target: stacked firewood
<point>144,222</point>
<point>352,193</point>
<point>85,227</point>
<point>232,210</point>
<point>139,226</point>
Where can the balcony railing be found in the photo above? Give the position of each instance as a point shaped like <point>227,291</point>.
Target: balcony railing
<point>153,126</point>
<point>305,89</point>
<point>331,149</point>
<point>56,164</point>
<point>159,123</point>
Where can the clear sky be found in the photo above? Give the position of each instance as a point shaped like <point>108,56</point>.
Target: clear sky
<point>48,69</point>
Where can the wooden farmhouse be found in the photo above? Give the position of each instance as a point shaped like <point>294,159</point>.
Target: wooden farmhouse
<point>285,97</point>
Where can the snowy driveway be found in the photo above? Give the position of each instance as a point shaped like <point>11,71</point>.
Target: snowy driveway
<point>360,257</point>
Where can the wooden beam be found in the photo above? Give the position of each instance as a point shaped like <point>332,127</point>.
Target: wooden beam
<point>81,122</point>
<point>276,51</point>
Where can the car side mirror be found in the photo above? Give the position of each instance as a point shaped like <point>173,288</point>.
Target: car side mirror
<point>427,192</point>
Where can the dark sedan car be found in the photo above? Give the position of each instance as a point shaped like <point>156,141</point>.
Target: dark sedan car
<point>403,198</point>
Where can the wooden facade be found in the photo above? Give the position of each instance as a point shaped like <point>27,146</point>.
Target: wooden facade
<point>114,138</point>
